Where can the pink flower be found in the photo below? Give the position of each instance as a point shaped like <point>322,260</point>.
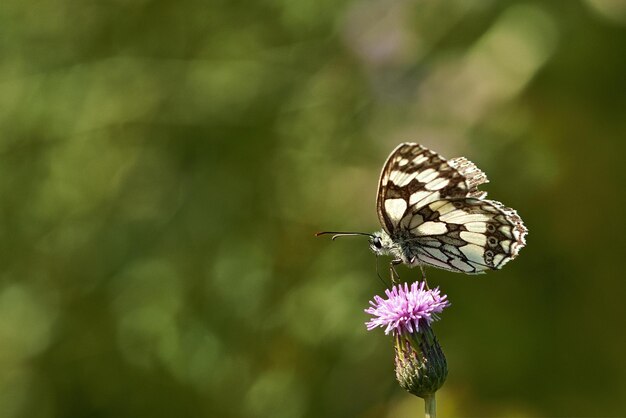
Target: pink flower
<point>405,308</point>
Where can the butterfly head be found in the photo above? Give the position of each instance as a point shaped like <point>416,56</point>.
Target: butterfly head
<point>381,243</point>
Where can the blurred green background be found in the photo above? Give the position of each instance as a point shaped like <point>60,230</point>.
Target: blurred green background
<point>164,165</point>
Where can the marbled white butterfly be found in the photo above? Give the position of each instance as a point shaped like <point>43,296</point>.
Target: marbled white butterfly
<point>433,214</point>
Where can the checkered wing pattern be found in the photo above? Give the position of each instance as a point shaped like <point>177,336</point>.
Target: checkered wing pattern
<point>432,209</point>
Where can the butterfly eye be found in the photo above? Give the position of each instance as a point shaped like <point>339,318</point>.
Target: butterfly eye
<point>376,242</point>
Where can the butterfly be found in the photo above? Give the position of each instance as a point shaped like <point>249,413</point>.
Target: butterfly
<point>432,214</point>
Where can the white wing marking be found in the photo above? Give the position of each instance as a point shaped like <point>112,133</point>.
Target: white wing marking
<point>474,238</point>
<point>506,230</point>
<point>395,209</point>
<point>420,159</point>
<point>443,207</point>
<point>433,262</point>
<point>401,178</point>
<point>431,228</point>
<point>437,184</point>
<point>427,175</point>
<point>461,265</point>
<point>480,227</point>
<point>461,217</point>
<point>419,199</point>
<point>473,252</point>
<point>497,259</point>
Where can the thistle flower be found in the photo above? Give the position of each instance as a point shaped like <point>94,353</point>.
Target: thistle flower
<point>407,314</point>
<point>406,308</point>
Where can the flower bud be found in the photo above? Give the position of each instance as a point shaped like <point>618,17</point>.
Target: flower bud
<point>421,367</point>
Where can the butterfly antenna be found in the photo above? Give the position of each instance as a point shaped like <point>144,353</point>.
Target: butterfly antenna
<point>337,234</point>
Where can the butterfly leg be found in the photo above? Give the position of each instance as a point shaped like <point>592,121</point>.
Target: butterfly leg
<point>413,261</point>
<point>424,276</point>
<point>385,284</point>
<point>395,277</point>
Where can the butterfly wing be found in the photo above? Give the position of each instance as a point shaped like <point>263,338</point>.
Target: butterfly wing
<point>466,235</point>
<point>412,177</point>
<point>434,209</point>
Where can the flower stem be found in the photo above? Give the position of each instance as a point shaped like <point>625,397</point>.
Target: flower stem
<point>431,406</point>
